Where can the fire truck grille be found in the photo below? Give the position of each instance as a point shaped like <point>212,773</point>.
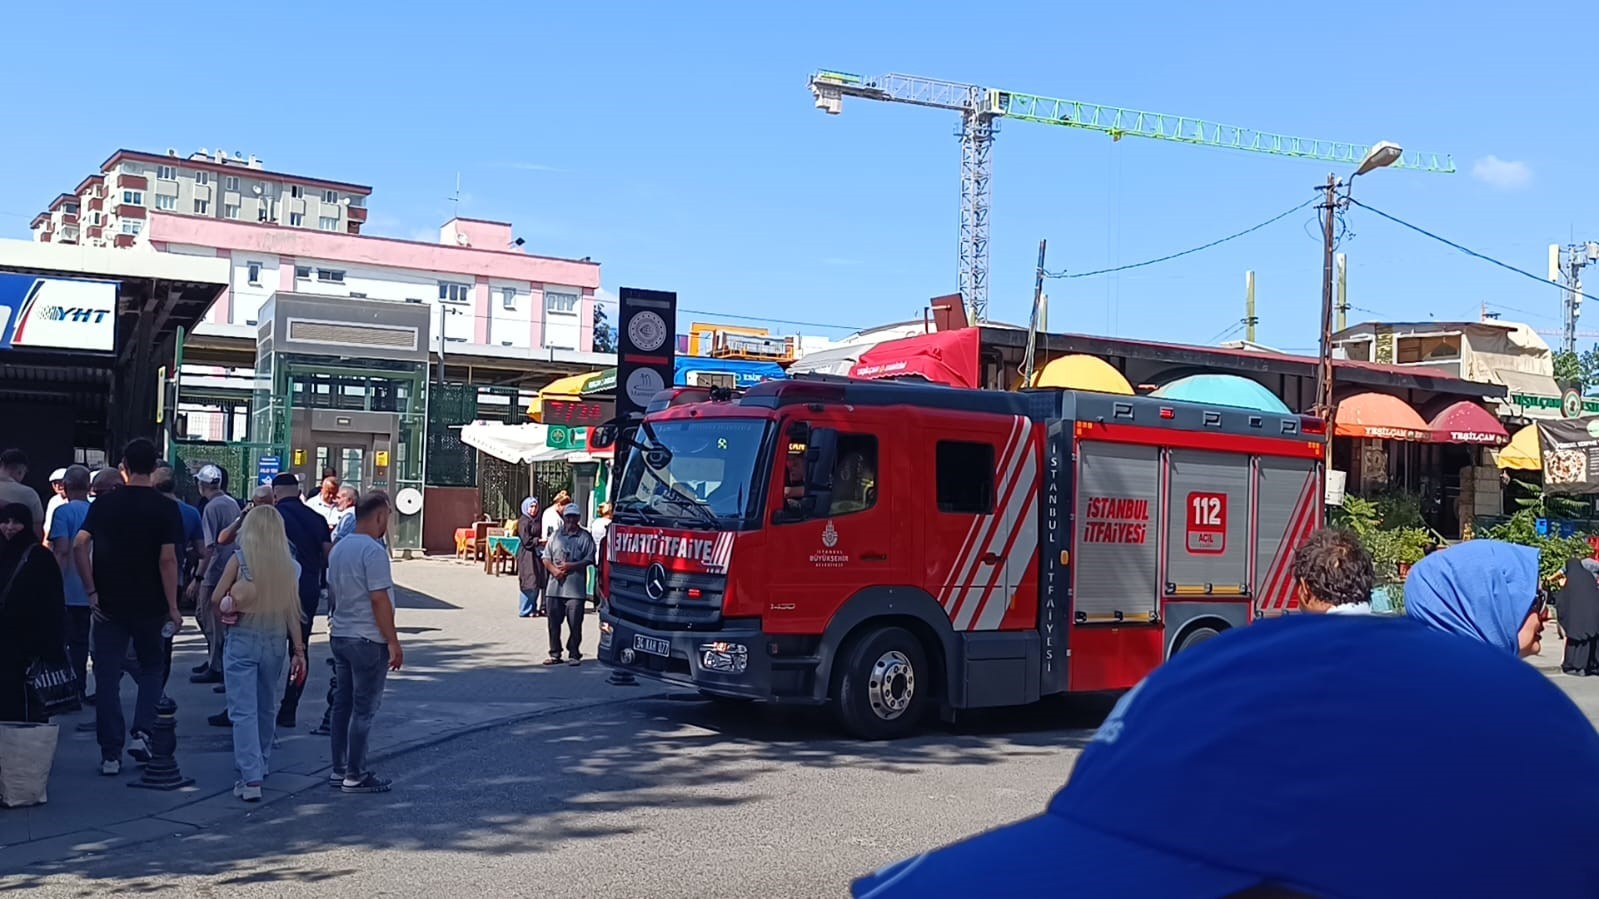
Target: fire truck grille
<point>689,601</point>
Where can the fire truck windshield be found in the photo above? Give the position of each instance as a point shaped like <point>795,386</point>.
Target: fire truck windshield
<point>694,473</point>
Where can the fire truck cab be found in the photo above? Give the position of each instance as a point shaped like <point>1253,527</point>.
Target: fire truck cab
<point>889,548</point>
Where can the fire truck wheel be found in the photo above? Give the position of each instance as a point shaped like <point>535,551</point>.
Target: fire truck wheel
<point>1196,636</point>
<point>882,692</point>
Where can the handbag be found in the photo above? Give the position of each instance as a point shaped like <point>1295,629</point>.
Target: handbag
<point>53,687</point>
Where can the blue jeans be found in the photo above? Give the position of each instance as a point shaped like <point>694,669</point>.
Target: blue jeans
<point>529,604</point>
<point>110,638</point>
<point>252,664</point>
<point>360,668</point>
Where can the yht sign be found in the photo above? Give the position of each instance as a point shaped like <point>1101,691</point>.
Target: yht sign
<point>57,313</point>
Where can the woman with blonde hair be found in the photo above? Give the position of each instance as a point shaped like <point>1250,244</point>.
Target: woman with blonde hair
<point>259,600</point>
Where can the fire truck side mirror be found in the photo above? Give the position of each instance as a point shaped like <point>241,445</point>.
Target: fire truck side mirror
<point>604,436</point>
<point>820,459</point>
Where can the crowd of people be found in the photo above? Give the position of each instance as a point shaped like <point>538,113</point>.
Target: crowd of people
<point>96,575</point>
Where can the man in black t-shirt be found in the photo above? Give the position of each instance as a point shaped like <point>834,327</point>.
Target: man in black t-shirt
<point>127,555</point>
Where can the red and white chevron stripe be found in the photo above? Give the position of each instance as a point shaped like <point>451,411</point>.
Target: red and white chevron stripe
<point>981,598</point>
<point>1277,590</point>
<point>966,561</point>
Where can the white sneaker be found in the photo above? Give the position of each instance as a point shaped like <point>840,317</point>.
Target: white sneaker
<point>139,748</point>
<point>250,792</point>
<point>111,767</point>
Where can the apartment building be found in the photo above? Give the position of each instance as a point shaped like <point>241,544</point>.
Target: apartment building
<point>113,206</point>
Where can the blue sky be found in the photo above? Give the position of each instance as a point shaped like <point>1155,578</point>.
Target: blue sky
<point>677,144</point>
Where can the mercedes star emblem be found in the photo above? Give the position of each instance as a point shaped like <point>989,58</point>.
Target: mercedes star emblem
<point>655,580</point>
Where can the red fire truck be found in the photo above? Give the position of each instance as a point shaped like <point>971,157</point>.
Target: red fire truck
<point>892,547</point>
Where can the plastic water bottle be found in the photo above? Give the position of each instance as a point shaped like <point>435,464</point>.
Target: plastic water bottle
<point>168,630</point>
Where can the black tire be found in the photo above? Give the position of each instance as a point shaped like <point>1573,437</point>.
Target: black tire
<point>882,689</point>
<point>1196,636</point>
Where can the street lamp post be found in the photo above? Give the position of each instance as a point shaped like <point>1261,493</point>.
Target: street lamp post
<point>1382,155</point>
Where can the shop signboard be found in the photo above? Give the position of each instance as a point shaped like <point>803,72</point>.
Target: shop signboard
<point>57,313</point>
<point>1570,451</point>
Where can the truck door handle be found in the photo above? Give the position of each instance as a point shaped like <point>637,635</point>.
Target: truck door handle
<point>990,558</point>
<point>874,557</point>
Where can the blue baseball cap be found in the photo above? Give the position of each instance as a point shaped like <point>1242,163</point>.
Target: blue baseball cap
<point>1339,756</point>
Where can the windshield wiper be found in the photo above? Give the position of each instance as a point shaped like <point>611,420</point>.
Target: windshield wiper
<point>679,498</point>
<point>649,515</point>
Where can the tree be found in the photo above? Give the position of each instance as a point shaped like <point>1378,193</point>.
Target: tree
<point>1568,369</point>
<point>604,334</point>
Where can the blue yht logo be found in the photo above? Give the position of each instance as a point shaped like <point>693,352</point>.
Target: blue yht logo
<point>73,314</point>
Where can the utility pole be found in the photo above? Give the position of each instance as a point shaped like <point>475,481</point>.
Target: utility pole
<point>1250,319</point>
<point>1030,357</point>
<point>1566,264</point>
<point>1324,367</point>
<point>1343,291</point>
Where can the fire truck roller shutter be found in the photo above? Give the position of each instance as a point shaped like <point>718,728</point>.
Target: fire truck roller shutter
<point>1115,568</point>
<point>1289,512</point>
<point>877,607</point>
<point>1207,531</point>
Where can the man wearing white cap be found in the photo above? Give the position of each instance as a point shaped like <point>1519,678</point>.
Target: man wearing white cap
<point>567,556</point>
<point>58,497</point>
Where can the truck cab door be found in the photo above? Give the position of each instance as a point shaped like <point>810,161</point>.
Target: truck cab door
<point>972,532</point>
<point>835,536</point>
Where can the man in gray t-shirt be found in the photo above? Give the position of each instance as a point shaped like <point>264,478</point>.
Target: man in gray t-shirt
<point>220,511</point>
<point>366,647</point>
<point>568,554</point>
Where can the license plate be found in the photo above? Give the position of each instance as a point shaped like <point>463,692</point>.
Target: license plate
<point>655,646</point>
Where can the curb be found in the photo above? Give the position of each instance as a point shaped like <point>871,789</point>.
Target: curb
<point>108,834</point>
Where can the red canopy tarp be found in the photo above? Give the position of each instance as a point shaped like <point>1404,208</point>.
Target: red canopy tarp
<point>1378,416</point>
<point>1464,421</point>
<point>943,357</point>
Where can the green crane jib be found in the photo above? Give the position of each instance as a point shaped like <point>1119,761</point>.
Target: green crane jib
<point>981,108</point>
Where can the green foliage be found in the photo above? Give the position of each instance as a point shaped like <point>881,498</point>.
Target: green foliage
<point>1531,498</point>
<point>1357,515</point>
<point>1569,369</point>
<point>1390,527</point>
<point>1553,552</point>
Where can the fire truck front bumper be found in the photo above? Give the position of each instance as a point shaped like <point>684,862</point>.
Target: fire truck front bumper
<point>730,661</point>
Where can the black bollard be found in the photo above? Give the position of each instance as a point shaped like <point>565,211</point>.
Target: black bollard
<point>620,678</point>
<point>161,772</point>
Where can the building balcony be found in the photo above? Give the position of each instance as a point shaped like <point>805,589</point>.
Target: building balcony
<point>94,231</point>
<point>97,204</point>
<point>133,182</point>
<point>357,213</point>
<point>129,211</point>
<point>124,240</point>
<point>69,218</point>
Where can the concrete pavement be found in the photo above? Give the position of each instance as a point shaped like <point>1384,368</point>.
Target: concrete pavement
<point>470,663</point>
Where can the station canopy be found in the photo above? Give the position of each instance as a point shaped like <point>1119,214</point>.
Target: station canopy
<point>1379,416</point>
<point>1080,372</point>
<point>1463,421</point>
<point>1223,390</point>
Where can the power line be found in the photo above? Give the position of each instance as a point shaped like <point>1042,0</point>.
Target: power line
<point>1218,242</point>
<point>1467,250</point>
<point>774,321</point>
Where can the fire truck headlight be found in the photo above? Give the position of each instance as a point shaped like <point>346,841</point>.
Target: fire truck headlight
<point>606,633</point>
<point>724,657</point>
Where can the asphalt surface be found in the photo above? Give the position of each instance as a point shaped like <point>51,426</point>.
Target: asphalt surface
<point>662,798</point>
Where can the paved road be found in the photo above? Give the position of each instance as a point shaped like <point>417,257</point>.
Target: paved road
<point>659,797</point>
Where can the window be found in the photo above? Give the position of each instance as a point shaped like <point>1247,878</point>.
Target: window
<point>163,201</point>
<point>560,303</point>
<point>357,201</point>
<point>133,197</point>
<point>330,275</point>
<point>132,226</point>
<point>302,272</point>
<point>253,273</point>
<point>230,182</point>
<point>230,210</point>
<point>166,172</point>
<point>202,207</point>
<point>296,220</point>
<point>327,223</point>
<point>452,292</point>
<point>94,218</point>
<point>508,297</point>
<point>965,473</point>
<point>132,168</point>
<point>70,209</point>
<point>854,475</point>
<point>330,196</point>
<point>296,191</point>
<point>202,177</point>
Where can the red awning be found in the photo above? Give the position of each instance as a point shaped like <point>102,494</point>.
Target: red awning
<point>1378,416</point>
<point>943,357</point>
<point>1464,421</point>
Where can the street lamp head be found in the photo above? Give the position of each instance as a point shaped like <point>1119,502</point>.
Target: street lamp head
<point>1382,155</point>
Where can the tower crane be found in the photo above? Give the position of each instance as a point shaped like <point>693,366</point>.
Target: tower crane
<point>981,108</point>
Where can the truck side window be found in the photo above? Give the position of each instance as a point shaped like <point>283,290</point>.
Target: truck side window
<point>965,473</point>
<point>854,475</point>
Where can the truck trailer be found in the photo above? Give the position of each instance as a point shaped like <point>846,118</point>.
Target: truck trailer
<point>889,548</point>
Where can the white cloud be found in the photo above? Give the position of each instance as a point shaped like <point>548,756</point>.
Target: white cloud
<point>1504,174</point>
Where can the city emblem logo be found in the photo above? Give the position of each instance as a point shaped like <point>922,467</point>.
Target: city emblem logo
<point>829,536</point>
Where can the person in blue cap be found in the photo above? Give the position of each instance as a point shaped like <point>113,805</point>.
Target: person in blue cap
<point>1344,756</point>
<point>1483,589</point>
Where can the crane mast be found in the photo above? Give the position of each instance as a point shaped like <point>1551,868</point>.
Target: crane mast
<point>981,108</point>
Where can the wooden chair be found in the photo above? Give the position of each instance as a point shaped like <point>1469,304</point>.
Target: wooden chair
<point>480,540</point>
<point>488,530</point>
<point>465,544</point>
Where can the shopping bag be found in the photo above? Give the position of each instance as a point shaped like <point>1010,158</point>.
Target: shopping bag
<point>53,687</point>
<point>26,754</point>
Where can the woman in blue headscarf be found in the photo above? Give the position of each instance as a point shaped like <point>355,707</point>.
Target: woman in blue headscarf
<point>1483,589</point>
